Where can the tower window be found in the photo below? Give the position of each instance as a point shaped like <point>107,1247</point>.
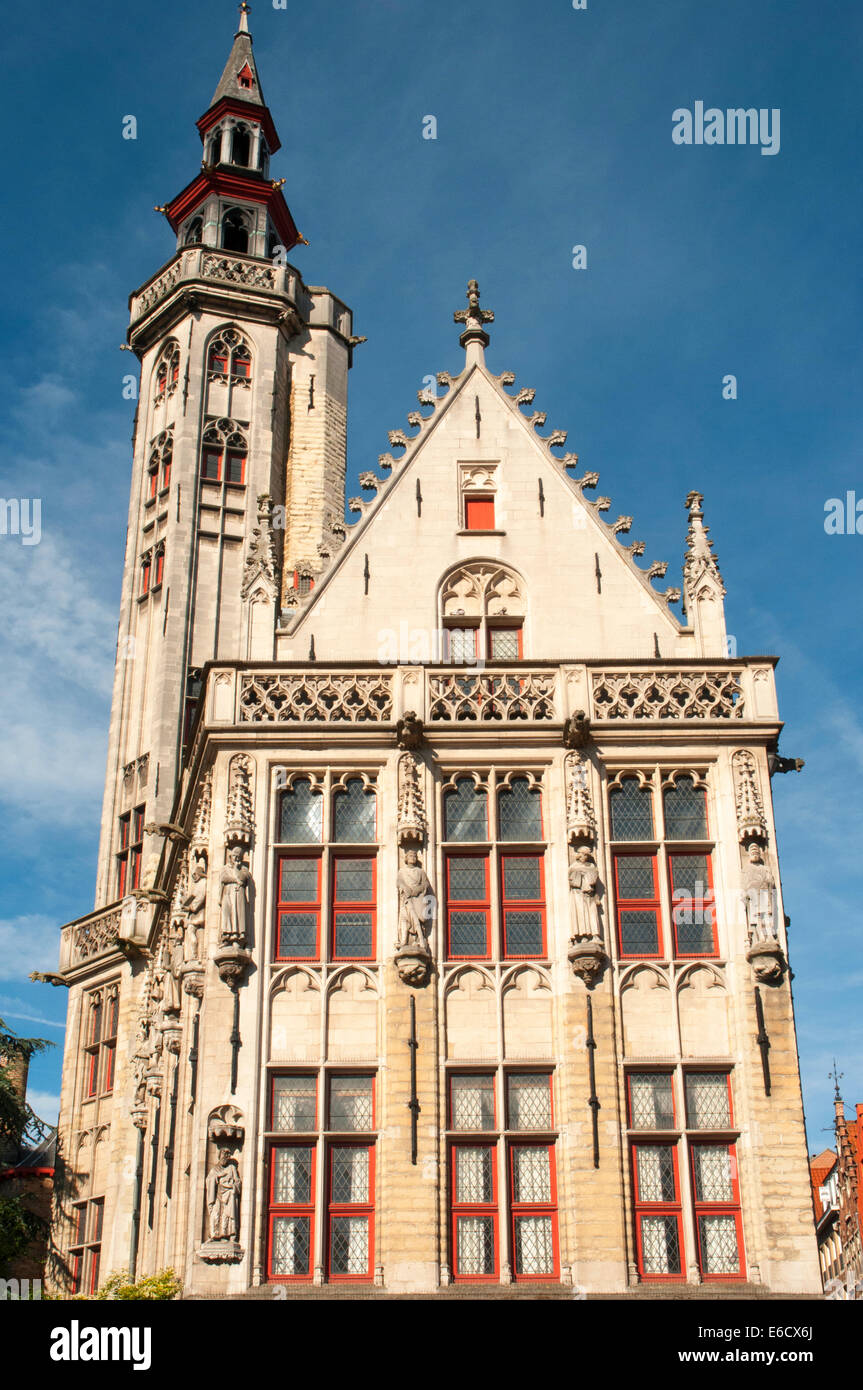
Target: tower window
<point>131,838</point>
<point>241,145</point>
<point>245,78</point>
<point>230,356</point>
<point>235,231</point>
<point>194,232</point>
<point>223,457</point>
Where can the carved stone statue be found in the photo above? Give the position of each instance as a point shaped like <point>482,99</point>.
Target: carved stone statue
<point>223,1198</point>
<point>171,986</point>
<point>195,903</point>
<point>234,900</point>
<point>585,888</point>
<point>417,904</point>
<point>759,895</point>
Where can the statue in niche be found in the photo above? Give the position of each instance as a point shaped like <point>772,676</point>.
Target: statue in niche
<point>223,1198</point>
<point>759,896</point>
<point>194,904</point>
<point>584,890</point>
<point>171,985</point>
<point>417,904</point>
<point>141,1062</point>
<point>234,899</point>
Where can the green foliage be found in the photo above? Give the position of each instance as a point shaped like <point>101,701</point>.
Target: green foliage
<point>18,1227</point>
<point>17,1120</point>
<point>162,1286</point>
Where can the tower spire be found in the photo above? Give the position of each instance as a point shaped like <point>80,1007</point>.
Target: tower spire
<point>240,81</point>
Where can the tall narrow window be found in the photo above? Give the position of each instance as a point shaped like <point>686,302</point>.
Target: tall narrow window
<point>86,1249</point>
<point>292,1211</point>
<point>657,1210</point>
<point>717,1210</point>
<point>468,906</point>
<point>473,1174</point>
<point>638,908</point>
<point>693,912</point>
<point>533,1211</point>
<point>353,908</point>
<point>523,905</point>
<point>131,844</point>
<point>351,1212</point>
<point>235,231</point>
<point>101,1041</point>
<point>299,908</point>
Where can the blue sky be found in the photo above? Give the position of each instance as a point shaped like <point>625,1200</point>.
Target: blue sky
<point>554,130</point>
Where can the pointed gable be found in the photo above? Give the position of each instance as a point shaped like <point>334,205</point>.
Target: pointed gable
<point>479,488</point>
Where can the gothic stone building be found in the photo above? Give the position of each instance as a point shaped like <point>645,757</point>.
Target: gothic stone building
<point>438,933</point>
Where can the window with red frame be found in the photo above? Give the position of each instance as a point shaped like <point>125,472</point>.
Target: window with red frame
<point>471,1101</point>
<point>353,908</point>
<point>716,1197</point>
<point>158,566</point>
<point>293,1104</point>
<point>528,1100</point>
<point>350,1214</point>
<point>211,465</point>
<point>693,913</point>
<point>235,468</point>
<point>523,905</point>
<point>86,1248</point>
<point>146,567</point>
<point>241,363</point>
<point>533,1211</point>
<point>479,513</point>
<point>474,1211</point>
<point>636,884</point>
<point>100,1047</point>
<point>708,1100</point>
<point>468,906</point>
<point>166,470</point>
<point>650,1100</point>
<point>461,645</point>
<point>656,1190</point>
<point>504,643</point>
<point>219,358</point>
<point>153,478</point>
<point>298,910</point>
<point>351,1103</point>
<point>131,838</point>
<point>292,1211</point>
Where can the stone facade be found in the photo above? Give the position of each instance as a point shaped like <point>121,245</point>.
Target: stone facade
<point>380,1006</point>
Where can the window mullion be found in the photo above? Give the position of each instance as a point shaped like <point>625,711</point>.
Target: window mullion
<point>505,1264</point>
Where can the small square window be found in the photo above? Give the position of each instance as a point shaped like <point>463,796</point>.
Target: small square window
<point>479,513</point>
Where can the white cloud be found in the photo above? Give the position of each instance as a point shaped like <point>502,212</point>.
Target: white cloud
<point>46,1105</point>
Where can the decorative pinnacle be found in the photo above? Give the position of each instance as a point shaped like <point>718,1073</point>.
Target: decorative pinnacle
<point>473,318</point>
<point>244,18</point>
<point>700,562</point>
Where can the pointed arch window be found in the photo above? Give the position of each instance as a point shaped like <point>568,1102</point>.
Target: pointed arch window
<point>223,455</point>
<point>194,232</point>
<point>159,466</point>
<point>167,372</point>
<point>235,231</point>
<point>230,356</point>
<point>241,145</point>
<point>483,608</point>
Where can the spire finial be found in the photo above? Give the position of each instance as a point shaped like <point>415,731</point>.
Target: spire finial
<point>836,1076</point>
<point>473,318</point>
<point>700,560</point>
<point>244,18</point>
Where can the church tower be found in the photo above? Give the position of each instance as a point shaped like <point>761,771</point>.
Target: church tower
<point>439,935</point>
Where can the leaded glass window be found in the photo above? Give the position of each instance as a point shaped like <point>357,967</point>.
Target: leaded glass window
<point>462,645</point>
<point>466,811</point>
<point>299,880</point>
<point>353,813</point>
<point>291,1246</point>
<point>353,908</point>
<point>660,1245</point>
<point>302,814</point>
<point>349,1245</point>
<point>631,811</point>
<point>467,879</point>
<point>475,1255</point>
<point>717,1239</point>
<point>292,1175</point>
<point>467,923</point>
<point>712,1173</point>
<point>294,1103</point>
<point>655,1172</point>
<point>534,1245</point>
<point>349,1175</point>
<point>519,809</point>
<point>693,911</point>
<point>505,644</point>
<point>472,1102</point>
<point>639,933</point>
<point>474,1178</point>
<point>651,1100</point>
<point>298,935</point>
<point>528,1100</point>
<point>708,1104</point>
<point>468,933</point>
<point>523,905</point>
<point>635,876</point>
<point>531,1174</point>
<point>685,811</point>
<point>351,1102</point>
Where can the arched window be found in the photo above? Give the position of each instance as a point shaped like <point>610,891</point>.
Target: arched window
<point>301,814</point>
<point>223,456</point>
<point>167,371</point>
<point>159,466</point>
<point>230,356</point>
<point>482,613</point>
<point>235,231</point>
<point>354,813</point>
<point>631,810</point>
<point>194,232</point>
<point>241,145</point>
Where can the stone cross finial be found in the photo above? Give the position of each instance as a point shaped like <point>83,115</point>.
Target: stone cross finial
<point>473,318</point>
